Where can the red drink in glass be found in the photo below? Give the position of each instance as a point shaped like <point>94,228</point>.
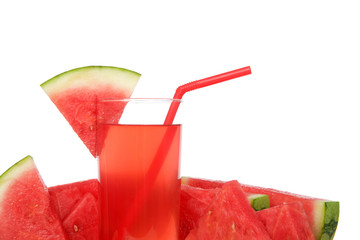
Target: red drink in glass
<point>125,156</point>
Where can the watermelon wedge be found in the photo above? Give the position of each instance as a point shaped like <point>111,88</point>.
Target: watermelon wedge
<point>229,216</point>
<point>195,201</point>
<point>25,209</point>
<point>77,206</point>
<point>323,215</point>
<point>75,93</point>
<point>286,221</point>
<point>64,198</point>
<point>193,204</point>
<point>83,221</point>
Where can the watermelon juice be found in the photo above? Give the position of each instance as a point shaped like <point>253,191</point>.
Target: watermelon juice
<point>130,206</point>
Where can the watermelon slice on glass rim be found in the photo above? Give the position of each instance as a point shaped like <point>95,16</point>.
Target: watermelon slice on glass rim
<point>75,93</point>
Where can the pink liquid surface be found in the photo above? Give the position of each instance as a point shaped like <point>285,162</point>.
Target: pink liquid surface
<point>125,155</point>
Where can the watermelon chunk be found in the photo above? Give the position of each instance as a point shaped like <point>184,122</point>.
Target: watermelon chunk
<point>77,206</point>
<point>194,202</point>
<point>25,209</point>
<point>83,221</point>
<point>75,93</point>
<point>323,215</point>
<point>286,221</point>
<point>64,198</point>
<point>229,216</point>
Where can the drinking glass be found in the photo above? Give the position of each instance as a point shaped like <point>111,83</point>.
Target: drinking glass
<point>139,173</point>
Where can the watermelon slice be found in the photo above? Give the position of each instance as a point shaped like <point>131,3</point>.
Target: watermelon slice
<point>64,198</point>
<point>77,206</point>
<point>286,221</point>
<point>194,202</point>
<point>75,93</point>
<point>83,221</point>
<point>25,209</point>
<point>323,215</point>
<point>229,216</point>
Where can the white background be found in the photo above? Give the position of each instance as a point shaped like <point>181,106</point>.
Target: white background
<point>294,124</point>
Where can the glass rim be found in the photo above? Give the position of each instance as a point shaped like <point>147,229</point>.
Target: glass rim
<point>139,100</point>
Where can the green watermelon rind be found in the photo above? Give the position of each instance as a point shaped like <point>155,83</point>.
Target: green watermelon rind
<point>327,216</point>
<point>86,76</point>
<point>25,164</point>
<point>259,201</point>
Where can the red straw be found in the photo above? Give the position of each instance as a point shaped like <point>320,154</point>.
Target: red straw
<point>153,171</point>
<point>181,90</point>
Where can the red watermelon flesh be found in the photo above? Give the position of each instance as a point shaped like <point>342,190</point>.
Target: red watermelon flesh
<point>323,215</point>
<point>229,216</point>
<point>201,183</point>
<point>193,204</point>
<point>25,209</point>
<point>83,221</point>
<point>65,197</point>
<point>75,94</point>
<point>286,221</point>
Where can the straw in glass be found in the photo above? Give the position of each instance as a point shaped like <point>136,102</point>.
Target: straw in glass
<point>158,161</point>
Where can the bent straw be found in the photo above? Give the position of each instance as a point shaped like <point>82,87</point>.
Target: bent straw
<point>150,177</point>
<point>180,91</point>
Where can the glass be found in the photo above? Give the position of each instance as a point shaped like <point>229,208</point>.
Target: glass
<point>138,169</point>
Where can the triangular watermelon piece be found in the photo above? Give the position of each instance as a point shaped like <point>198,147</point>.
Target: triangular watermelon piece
<point>25,209</point>
<point>65,197</point>
<point>83,221</point>
<point>229,216</point>
<point>195,201</point>
<point>286,221</point>
<point>193,204</point>
<point>75,93</point>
